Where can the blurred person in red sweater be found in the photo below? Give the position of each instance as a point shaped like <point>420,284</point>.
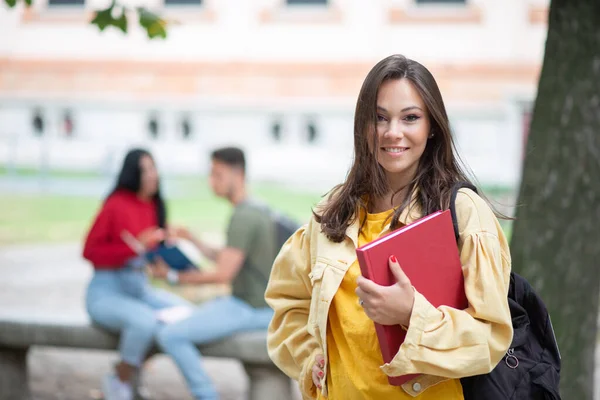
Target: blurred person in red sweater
<point>119,297</point>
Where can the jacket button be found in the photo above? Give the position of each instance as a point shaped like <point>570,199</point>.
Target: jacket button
<point>416,387</point>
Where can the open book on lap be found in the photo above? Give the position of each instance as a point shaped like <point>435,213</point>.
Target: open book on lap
<point>179,255</point>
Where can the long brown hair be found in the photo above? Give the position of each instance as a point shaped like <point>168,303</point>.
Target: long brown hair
<point>439,167</point>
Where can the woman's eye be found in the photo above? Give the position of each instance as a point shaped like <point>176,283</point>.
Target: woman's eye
<point>381,118</point>
<point>411,118</point>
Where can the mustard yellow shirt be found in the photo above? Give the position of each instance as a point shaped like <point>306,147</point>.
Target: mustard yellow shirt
<point>441,343</point>
<point>354,354</point>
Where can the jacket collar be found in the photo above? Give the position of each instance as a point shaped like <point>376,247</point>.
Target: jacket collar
<point>409,215</point>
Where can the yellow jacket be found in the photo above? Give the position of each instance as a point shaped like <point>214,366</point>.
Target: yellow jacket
<point>442,343</point>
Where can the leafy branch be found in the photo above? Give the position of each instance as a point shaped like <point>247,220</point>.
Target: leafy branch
<point>118,16</point>
<point>12,3</point>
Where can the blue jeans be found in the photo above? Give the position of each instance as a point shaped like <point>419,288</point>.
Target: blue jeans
<point>213,320</point>
<point>122,301</point>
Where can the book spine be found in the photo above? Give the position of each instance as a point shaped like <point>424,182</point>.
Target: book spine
<point>363,263</point>
<point>384,345</point>
<point>365,269</point>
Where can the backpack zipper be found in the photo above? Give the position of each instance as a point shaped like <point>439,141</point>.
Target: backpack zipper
<point>511,360</point>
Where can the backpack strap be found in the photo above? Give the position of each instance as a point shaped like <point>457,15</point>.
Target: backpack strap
<point>455,189</point>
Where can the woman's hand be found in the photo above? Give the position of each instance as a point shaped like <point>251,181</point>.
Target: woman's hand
<point>174,232</point>
<point>151,237</point>
<point>145,240</point>
<point>387,305</point>
<point>159,268</point>
<point>317,370</point>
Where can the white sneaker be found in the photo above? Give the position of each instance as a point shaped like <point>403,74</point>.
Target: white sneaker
<point>114,389</point>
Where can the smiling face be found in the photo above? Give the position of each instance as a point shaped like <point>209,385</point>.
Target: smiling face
<point>402,130</point>
<point>402,142</point>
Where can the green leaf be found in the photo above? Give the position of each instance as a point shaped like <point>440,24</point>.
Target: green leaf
<point>103,18</point>
<point>121,22</point>
<point>28,2</point>
<point>155,26</point>
<point>11,3</point>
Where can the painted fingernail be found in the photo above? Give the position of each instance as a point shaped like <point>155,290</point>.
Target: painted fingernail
<point>393,258</point>
<point>320,374</point>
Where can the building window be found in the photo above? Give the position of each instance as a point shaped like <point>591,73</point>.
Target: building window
<point>38,123</point>
<point>183,2</point>
<point>311,132</point>
<point>441,1</point>
<point>186,128</point>
<point>67,124</point>
<point>276,131</point>
<point>153,127</point>
<point>307,2</point>
<point>52,3</point>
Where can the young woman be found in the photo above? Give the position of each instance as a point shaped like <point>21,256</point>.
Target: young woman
<point>119,297</point>
<point>322,332</point>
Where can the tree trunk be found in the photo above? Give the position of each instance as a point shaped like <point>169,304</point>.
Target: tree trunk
<point>556,237</point>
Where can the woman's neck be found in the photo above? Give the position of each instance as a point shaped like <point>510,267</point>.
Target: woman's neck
<point>393,199</point>
<point>145,197</point>
<point>399,185</point>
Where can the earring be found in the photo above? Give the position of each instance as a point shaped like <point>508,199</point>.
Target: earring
<point>431,136</point>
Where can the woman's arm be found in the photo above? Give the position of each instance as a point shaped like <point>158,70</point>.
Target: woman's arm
<point>289,291</point>
<point>456,343</point>
<point>102,246</point>
<point>106,244</point>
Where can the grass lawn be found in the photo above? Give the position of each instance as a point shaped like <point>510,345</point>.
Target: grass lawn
<point>57,173</point>
<point>55,218</point>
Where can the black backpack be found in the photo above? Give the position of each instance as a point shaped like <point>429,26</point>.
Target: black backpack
<point>284,227</point>
<point>530,370</point>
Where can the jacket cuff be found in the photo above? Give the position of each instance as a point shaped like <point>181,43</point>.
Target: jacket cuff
<point>421,312</point>
<point>305,381</point>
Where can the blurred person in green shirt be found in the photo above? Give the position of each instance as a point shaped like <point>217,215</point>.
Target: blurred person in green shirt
<point>244,262</point>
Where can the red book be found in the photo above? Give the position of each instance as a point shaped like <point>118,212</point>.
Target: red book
<point>428,254</point>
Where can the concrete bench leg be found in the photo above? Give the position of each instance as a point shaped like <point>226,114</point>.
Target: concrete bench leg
<point>14,383</point>
<point>268,383</point>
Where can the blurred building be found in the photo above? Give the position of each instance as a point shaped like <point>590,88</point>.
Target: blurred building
<point>278,77</point>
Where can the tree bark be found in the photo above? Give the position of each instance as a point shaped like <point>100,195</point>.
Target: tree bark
<point>556,236</point>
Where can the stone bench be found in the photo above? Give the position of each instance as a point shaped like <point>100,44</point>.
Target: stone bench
<point>18,332</point>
